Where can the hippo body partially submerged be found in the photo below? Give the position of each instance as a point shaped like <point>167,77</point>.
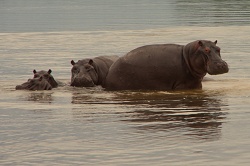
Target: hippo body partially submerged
<point>42,80</point>
<point>166,67</point>
<point>47,75</point>
<point>39,83</point>
<point>91,72</point>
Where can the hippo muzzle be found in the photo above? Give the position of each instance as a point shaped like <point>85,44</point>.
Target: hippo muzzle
<point>217,67</point>
<point>82,82</point>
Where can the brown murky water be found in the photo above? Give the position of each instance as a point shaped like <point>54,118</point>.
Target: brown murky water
<point>90,126</point>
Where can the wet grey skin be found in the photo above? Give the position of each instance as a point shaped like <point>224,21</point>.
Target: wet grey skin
<point>47,75</point>
<point>39,83</point>
<point>166,67</point>
<point>91,72</point>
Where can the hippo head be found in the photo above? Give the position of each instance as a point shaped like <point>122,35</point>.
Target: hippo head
<point>204,57</point>
<point>39,83</point>
<point>83,74</point>
<point>46,75</point>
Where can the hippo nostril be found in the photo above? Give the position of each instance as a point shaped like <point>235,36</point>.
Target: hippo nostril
<point>222,65</point>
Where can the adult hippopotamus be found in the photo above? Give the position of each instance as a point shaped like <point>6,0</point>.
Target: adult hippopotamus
<point>91,72</point>
<point>166,67</point>
<point>47,75</point>
<point>39,83</point>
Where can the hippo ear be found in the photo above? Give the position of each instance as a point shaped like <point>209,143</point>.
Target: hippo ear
<point>34,71</point>
<point>72,62</point>
<point>91,62</point>
<point>200,43</point>
<point>49,71</point>
<point>215,42</point>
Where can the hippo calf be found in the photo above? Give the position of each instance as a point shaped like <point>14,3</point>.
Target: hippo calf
<point>39,83</point>
<point>91,72</point>
<point>42,80</point>
<point>47,75</point>
<point>166,67</point>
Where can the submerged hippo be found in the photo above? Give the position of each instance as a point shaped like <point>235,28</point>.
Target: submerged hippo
<point>42,80</point>
<point>47,75</point>
<point>91,72</point>
<point>39,83</point>
<point>166,67</point>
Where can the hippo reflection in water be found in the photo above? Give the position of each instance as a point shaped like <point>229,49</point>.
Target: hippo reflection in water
<point>91,72</point>
<point>43,80</point>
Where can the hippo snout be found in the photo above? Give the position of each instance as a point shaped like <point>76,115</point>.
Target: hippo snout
<point>82,82</point>
<point>223,66</point>
<point>19,87</point>
<point>217,67</point>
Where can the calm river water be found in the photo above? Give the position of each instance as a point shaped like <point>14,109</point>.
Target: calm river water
<point>90,126</point>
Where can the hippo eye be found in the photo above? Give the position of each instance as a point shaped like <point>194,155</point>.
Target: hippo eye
<point>88,68</point>
<point>207,50</point>
<point>46,76</point>
<point>74,70</point>
<point>36,75</point>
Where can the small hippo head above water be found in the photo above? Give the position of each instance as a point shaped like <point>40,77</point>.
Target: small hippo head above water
<point>204,57</point>
<point>42,80</point>
<point>83,73</point>
<point>46,75</point>
<point>39,83</point>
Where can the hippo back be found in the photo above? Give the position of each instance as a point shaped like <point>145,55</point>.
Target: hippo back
<point>102,65</point>
<point>166,67</point>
